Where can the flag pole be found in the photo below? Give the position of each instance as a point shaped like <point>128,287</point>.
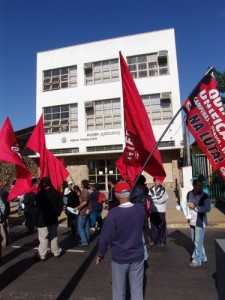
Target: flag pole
<point>168,126</point>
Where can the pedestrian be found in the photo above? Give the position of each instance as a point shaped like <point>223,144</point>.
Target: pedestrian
<point>97,198</point>
<point>139,195</point>
<point>122,230</point>
<point>112,200</point>
<point>84,214</point>
<point>2,217</point>
<point>72,202</point>
<point>4,225</point>
<point>199,205</point>
<point>29,199</point>
<point>158,196</point>
<point>77,190</point>
<point>47,208</point>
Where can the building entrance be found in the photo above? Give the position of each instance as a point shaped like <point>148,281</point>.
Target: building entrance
<point>100,170</point>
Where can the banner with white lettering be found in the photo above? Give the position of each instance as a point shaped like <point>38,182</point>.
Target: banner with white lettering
<point>206,121</point>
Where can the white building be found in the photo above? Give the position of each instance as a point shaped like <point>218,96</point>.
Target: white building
<point>79,92</point>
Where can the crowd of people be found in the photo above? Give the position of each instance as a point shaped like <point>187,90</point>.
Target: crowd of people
<point>130,211</point>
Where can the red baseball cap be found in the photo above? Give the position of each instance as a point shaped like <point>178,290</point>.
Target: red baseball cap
<point>122,187</point>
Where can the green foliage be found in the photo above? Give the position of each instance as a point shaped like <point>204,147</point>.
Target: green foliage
<point>220,78</point>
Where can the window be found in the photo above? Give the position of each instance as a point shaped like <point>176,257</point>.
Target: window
<point>103,114</point>
<point>158,107</point>
<point>61,118</point>
<point>148,65</point>
<point>101,72</point>
<point>60,78</point>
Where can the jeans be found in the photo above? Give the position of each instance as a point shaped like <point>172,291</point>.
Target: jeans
<point>197,236</point>
<point>84,229</point>
<point>96,216</point>
<point>135,273</point>
<point>158,227</point>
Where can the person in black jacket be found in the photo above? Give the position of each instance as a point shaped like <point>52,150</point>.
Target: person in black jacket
<point>72,201</point>
<point>139,195</point>
<point>48,207</point>
<point>29,199</point>
<point>4,225</point>
<point>113,201</point>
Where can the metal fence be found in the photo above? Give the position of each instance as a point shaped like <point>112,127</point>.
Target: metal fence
<point>213,183</point>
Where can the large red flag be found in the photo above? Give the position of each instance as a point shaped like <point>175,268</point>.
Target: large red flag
<point>140,139</point>
<point>10,152</point>
<point>206,121</point>
<point>50,166</point>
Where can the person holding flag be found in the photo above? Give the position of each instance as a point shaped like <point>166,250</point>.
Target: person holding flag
<point>122,230</point>
<point>47,208</point>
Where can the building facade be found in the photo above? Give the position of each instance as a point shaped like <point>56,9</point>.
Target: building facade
<point>79,93</point>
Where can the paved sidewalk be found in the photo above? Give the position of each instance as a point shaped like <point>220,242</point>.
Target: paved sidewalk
<point>175,218</point>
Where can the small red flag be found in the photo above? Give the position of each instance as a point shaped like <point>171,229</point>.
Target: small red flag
<point>140,139</point>
<point>9,149</point>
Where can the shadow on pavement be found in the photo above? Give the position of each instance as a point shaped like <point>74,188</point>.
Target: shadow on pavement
<point>180,239</point>
<point>16,270</point>
<point>74,281</point>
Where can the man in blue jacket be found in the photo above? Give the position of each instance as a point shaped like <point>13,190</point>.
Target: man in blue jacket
<point>122,230</point>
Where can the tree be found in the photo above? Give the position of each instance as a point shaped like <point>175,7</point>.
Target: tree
<point>220,78</point>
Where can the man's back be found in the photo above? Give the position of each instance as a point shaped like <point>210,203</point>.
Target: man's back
<point>123,230</point>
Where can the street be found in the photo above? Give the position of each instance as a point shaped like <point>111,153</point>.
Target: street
<point>75,275</point>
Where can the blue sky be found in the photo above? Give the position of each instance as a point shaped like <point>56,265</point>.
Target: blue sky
<point>31,26</point>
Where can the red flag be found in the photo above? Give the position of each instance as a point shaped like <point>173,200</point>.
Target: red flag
<point>56,170</point>
<point>140,139</point>
<point>37,144</point>
<point>9,149</point>
<point>206,121</point>
<point>23,183</point>
<point>10,152</point>
<point>50,166</point>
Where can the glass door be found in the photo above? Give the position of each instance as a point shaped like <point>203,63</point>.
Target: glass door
<point>101,170</point>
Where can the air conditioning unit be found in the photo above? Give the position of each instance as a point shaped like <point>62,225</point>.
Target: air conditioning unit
<point>165,95</point>
<point>163,54</point>
<point>87,66</point>
<point>88,104</point>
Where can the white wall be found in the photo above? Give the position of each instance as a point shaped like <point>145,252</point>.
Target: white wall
<point>103,50</point>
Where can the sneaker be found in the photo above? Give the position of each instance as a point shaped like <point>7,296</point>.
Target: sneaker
<point>60,254</point>
<point>151,244</point>
<point>82,245</point>
<point>37,258</point>
<point>194,265</point>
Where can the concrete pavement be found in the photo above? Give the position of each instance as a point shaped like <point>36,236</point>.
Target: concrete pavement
<point>75,276</point>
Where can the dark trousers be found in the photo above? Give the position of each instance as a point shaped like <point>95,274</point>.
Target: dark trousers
<point>158,227</point>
